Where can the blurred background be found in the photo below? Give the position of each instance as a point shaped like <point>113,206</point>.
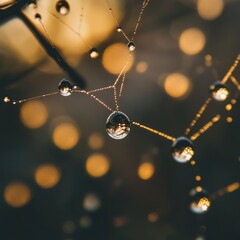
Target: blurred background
<point>63,177</point>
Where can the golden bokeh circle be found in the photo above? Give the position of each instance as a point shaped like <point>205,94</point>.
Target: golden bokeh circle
<point>177,85</point>
<point>66,136</point>
<point>115,57</point>
<point>146,170</point>
<point>17,194</point>
<point>192,41</point>
<point>97,165</point>
<point>47,176</point>
<point>33,114</point>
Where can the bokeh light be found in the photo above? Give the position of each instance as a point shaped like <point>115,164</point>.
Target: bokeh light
<point>141,67</point>
<point>146,170</point>
<point>115,57</point>
<point>153,217</point>
<point>33,114</point>
<point>47,176</point>
<point>66,136</point>
<point>177,85</point>
<point>210,9</point>
<point>17,194</point>
<point>91,202</point>
<point>97,165</point>
<point>192,41</point>
<point>96,141</point>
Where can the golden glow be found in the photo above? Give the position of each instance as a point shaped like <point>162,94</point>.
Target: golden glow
<point>47,176</point>
<point>33,114</point>
<point>199,189</point>
<point>146,170</point>
<point>233,187</point>
<point>198,178</point>
<point>17,194</point>
<point>152,217</point>
<point>192,41</point>
<point>208,60</point>
<point>210,9</point>
<point>97,165</point>
<point>229,119</point>
<point>65,136</point>
<point>142,67</point>
<point>6,99</point>
<point>233,101</point>
<point>96,141</point>
<point>115,58</point>
<point>177,85</point>
<point>193,163</point>
<point>228,107</point>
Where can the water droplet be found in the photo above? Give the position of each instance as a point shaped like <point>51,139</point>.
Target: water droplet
<point>200,202</point>
<point>119,29</point>
<point>94,53</point>
<point>182,150</point>
<point>38,17</point>
<point>62,7</point>
<point>219,91</point>
<point>32,5</point>
<point>118,125</point>
<point>6,99</point>
<point>65,88</point>
<point>131,46</point>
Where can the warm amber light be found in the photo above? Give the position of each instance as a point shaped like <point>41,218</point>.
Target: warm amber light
<point>65,136</point>
<point>33,114</point>
<point>17,194</point>
<point>142,67</point>
<point>198,178</point>
<point>47,175</point>
<point>229,119</point>
<point>97,165</point>
<point>210,9</point>
<point>192,41</point>
<point>146,170</point>
<point>177,85</point>
<point>228,107</point>
<point>153,217</point>
<point>115,58</point>
<point>96,141</point>
<point>233,187</point>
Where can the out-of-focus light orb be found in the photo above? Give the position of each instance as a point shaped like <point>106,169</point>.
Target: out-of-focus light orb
<point>146,170</point>
<point>17,194</point>
<point>85,222</point>
<point>33,114</point>
<point>97,165</point>
<point>210,10</point>
<point>200,202</point>
<point>115,58</point>
<point>192,41</point>
<point>96,141</point>
<point>94,53</point>
<point>228,107</point>
<point>229,119</point>
<point>153,217</point>
<point>182,150</point>
<point>62,7</point>
<point>66,136</point>
<point>91,202</point>
<point>69,227</point>
<point>131,46</point>
<point>120,221</point>
<point>219,91</point>
<point>47,176</point>
<point>65,87</point>
<point>177,85</point>
<point>118,125</point>
<point>142,67</point>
